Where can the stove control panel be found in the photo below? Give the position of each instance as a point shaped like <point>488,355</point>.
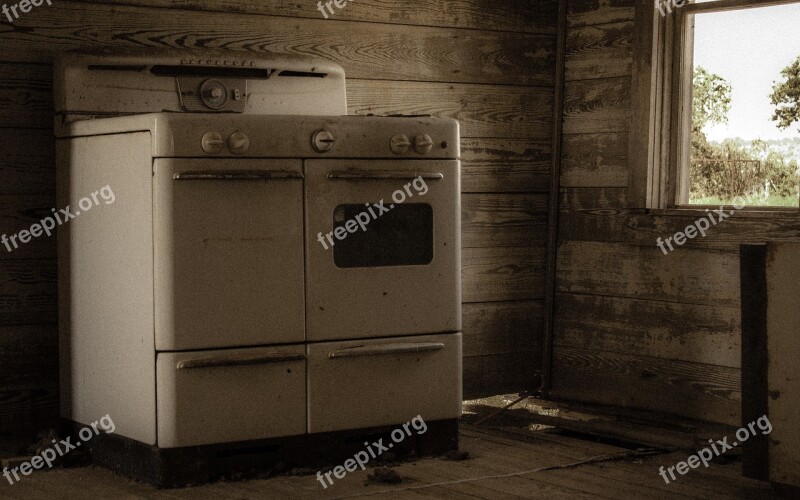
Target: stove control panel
<point>232,135</point>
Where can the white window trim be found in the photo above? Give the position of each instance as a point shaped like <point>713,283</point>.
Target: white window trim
<point>661,101</point>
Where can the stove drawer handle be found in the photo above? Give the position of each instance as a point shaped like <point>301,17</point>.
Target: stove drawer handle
<point>221,362</point>
<point>384,349</point>
<point>371,175</point>
<point>237,175</point>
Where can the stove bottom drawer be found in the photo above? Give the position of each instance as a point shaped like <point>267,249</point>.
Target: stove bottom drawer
<point>222,396</point>
<point>360,384</point>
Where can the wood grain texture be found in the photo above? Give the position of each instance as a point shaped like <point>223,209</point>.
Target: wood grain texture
<point>486,111</point>
<point>596,215</point>
<point>597,106</point>
<point>595,160</point>
<point>620,270</point>
<point>593,12</point>
<point>27,163</point>
<point>503,220</point>
<point>482,110</point>
<point>504,165</point>
<point>699,391</point>
<point>603,51</point>
<point>20,212</point>
<point>499,374</point>
<point>392,52</point>
<point>28,292</point>
<point>26,95</point>
<point>591,199</point>
<point>685,332</point>
<point>28,356</point>
<point>502,328</point>
<point>520,16</point>
<point>26,411</point>
<point>499,274</point>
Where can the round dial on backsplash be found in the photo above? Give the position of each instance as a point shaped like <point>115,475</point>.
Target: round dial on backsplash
<point>214,94</point>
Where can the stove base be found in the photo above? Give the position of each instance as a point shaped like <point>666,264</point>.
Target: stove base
<point>177,467</point>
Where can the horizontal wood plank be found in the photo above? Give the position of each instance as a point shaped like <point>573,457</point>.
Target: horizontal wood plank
<point>594,160</point>
<point>503,220</point>
<point>502,327</point>
<point>699,391</point>
<point>500,374</point>
<point>593,12</point>
<point>26,411</point>
<point>27,166</point>
<point>486,111</point>
<point>365,50</point>
<point>500,274</point>
<point>620,270</point>
<point>603,51</point>
<point>18,213</point>
<point>28,294</point>
<point>482,110</point>
<point>595,215</point>
<point>685,332</point>
<point>597,106</point>
<point>521,16</point>
<point>26,95</point>
<point>28,356</point>
<point>571,200</point>
<point>505,165</point>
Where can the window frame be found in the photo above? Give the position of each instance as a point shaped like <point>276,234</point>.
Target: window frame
<point>661,103</point>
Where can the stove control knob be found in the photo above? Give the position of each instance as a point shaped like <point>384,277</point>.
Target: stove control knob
<point>423,144</point>
<point>212,142</point>
<point>400,144</point>
<point>322,141</point>
<point>238,143</point>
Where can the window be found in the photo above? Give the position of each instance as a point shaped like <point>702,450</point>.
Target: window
<point>717,88</point>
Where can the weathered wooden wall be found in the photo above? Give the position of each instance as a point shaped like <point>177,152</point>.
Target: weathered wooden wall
<point>488,64</point>
<point>636,328</point>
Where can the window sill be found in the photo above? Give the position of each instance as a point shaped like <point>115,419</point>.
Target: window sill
<point>748,212</point>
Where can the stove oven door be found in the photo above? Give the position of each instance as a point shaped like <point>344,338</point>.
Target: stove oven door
<point>383,248</point>
<point>228,253</point>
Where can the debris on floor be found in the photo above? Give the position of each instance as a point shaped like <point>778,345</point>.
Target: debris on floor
<point>384,475</point>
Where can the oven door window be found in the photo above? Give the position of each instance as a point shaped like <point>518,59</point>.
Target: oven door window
<point>403,236</point>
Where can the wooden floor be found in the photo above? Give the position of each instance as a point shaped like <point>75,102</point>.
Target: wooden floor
<point>493,454</point>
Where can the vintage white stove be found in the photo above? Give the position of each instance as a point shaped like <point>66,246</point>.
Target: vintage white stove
<point>202,307</point>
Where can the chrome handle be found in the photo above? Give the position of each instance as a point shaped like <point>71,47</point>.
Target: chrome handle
<point>237,175</point>
<point>384,349</point>
<point>369,175</point>
<point>248,360</point>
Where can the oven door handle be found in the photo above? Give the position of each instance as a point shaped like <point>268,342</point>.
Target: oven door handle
<point>237,175</point>
<point>385,349</point>
<point>382,175</point>
<point>227,361</point>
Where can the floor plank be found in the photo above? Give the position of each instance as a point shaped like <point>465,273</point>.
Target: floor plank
<point>501,465</point>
